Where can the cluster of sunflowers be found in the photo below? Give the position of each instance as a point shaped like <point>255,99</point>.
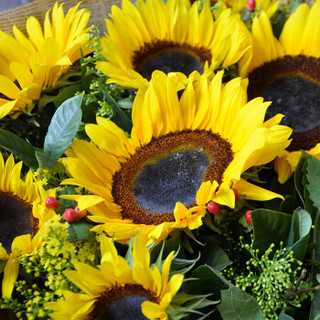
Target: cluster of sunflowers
<point>166,170</point>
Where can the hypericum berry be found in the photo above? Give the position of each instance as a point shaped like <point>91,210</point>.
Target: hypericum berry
<point>236,194</point>
<point>70,215</point>
<point>82,213</point>
<point>213,207</point>
<point>248,217</point>
<point>52,203</point>
<point>251,5</point>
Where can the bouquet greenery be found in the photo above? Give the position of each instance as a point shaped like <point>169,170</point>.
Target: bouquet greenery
<point>168,169</point>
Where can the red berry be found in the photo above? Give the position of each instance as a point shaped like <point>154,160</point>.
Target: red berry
<point>236,194</point>
<point>52,203</point>
<point>82,213</point>
<point>70,215</point>
<point>248,217</point>
<point>213,207</point>
<point>251,5</point>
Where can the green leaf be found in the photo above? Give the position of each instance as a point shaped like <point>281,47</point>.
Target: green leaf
<point>237,304</point>
<point>66,93</point>
<point>63,127</point>
<point>126,103</point>
<point>79,230</point>
<point>45,162</point>
<point>122,119</point>
<point>298,175</point>
<point>215,257</point>
<point>129,254</point>
<point>313,186</point>
<point>315,307</point>
<point>300,226</point>
<point>284,316</point>
<point>182,266</point>
<point>269,227</point>
<point>173,244</point>
<point>19,147</point>
<point>207,280</point>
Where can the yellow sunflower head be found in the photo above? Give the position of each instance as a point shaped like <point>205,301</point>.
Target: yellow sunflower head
<point>171,37</point>
<point>286,72</point>
<point>116,289</point>
<point>183,152</point>
<point>31,63</point>
<point>22,215</point>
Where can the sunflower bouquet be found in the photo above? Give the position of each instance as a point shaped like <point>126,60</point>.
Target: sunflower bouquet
<point>166,169</point>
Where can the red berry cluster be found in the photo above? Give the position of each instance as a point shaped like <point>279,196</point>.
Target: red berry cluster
<point>69,214</point>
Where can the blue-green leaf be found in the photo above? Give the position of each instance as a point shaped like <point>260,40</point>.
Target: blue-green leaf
<point>63,127</point>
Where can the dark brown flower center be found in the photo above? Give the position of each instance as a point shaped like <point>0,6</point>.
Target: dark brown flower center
<point>292,83</point>
<point>167,170</point>
<point>169,56</point>
<point>16,219</point>
<point>122,303</point>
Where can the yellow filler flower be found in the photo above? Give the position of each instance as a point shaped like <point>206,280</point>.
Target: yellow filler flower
<point>116,289</point>
<point>286,71</point>
<point>183,152</point>
<point>22,215</point>
<point>30,64</point>
<point>171,37</point>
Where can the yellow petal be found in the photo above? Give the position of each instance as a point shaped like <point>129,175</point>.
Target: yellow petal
<point>11,271</point>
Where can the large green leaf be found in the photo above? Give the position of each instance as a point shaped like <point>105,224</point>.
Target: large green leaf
<point>298,177</point>
<point>313,185</point>
<point>19,147</point>
<point>315,307</point>
<point>215,257</point>
<point>301,224</point>
<point>207,280</point>
<point>63,127</point>
<point>237,304</point>
<point>269,227</point>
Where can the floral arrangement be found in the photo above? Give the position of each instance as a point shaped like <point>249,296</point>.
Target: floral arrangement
<point>168,169</point>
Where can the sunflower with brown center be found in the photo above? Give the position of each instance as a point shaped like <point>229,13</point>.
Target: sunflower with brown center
<point>22,215</point>
<point>31,64</point>
<point>183,152</point>
<point>287,72</point>
<point>171,37</point>
<point>117,290</point>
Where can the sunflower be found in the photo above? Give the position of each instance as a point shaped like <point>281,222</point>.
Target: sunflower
<point>286,71</point>
<point>171,37</point>
<point>183,152</point>
<point>22,215</point>
<point>116,289</point>
<point>31,64</point>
